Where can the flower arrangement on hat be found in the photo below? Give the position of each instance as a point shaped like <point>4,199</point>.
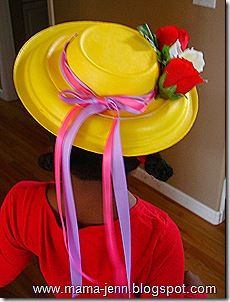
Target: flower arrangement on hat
<point>180,66</point>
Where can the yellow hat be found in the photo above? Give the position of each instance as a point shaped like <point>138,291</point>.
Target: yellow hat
<point>111,59</point>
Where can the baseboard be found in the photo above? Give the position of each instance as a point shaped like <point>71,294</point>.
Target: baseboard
<point>190,203</point>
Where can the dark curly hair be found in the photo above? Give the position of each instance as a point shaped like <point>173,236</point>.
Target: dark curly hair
<point>88,165</point>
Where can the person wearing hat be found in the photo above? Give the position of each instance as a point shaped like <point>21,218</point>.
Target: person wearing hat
<point>114,93</point>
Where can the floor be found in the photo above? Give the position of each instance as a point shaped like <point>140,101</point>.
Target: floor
<point>22,140</point>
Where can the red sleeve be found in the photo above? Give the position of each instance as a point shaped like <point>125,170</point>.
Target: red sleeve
<point>167,267</point>
<point>13,254</point>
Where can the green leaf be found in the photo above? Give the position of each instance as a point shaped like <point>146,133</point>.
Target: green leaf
<point>168,92</point>
<point>163,95</point>
<point>162,80</point>
<point>146,32</point>
<point>165,50</point>
<point>165,54</point>
<point>159,58</point>
<point>176,96</point>
<point>155,40</point>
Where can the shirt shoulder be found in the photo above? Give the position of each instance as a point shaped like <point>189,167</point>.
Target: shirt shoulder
<point>23,209</point>
<point>26,185</point>
<point>24,193</point>
<point>23,197</point>
<point>153,218</point>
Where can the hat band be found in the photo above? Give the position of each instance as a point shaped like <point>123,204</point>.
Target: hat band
<point>112,167</point>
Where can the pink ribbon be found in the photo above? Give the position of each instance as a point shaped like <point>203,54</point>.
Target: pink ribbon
<point>112,169</point>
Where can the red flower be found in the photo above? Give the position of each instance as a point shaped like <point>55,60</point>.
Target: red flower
<point>168,35</point>
<point>183,37</point>
<point>180,72</point>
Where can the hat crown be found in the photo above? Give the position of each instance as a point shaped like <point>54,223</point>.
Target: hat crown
<point>113,59</point>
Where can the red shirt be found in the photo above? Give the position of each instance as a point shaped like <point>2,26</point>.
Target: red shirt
<point>28,226</point>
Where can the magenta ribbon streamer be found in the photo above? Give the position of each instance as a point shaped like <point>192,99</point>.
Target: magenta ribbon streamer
<point>70,209</point>
<point>112,169</point>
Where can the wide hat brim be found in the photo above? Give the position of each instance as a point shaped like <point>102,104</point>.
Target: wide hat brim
<point>163,124</point>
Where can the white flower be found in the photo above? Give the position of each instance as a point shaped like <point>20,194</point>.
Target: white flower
<point>175,50</point>
<point>190,54</point>
<point>194,56</point>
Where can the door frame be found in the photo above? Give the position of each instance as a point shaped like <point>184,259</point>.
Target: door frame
<point>51,15</point>
<point>7,54</point>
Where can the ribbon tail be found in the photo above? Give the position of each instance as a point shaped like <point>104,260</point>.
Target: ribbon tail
<point>71,216</point>
<point>57,164</point>
<point>122,199</point>
<point>108,207</point>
